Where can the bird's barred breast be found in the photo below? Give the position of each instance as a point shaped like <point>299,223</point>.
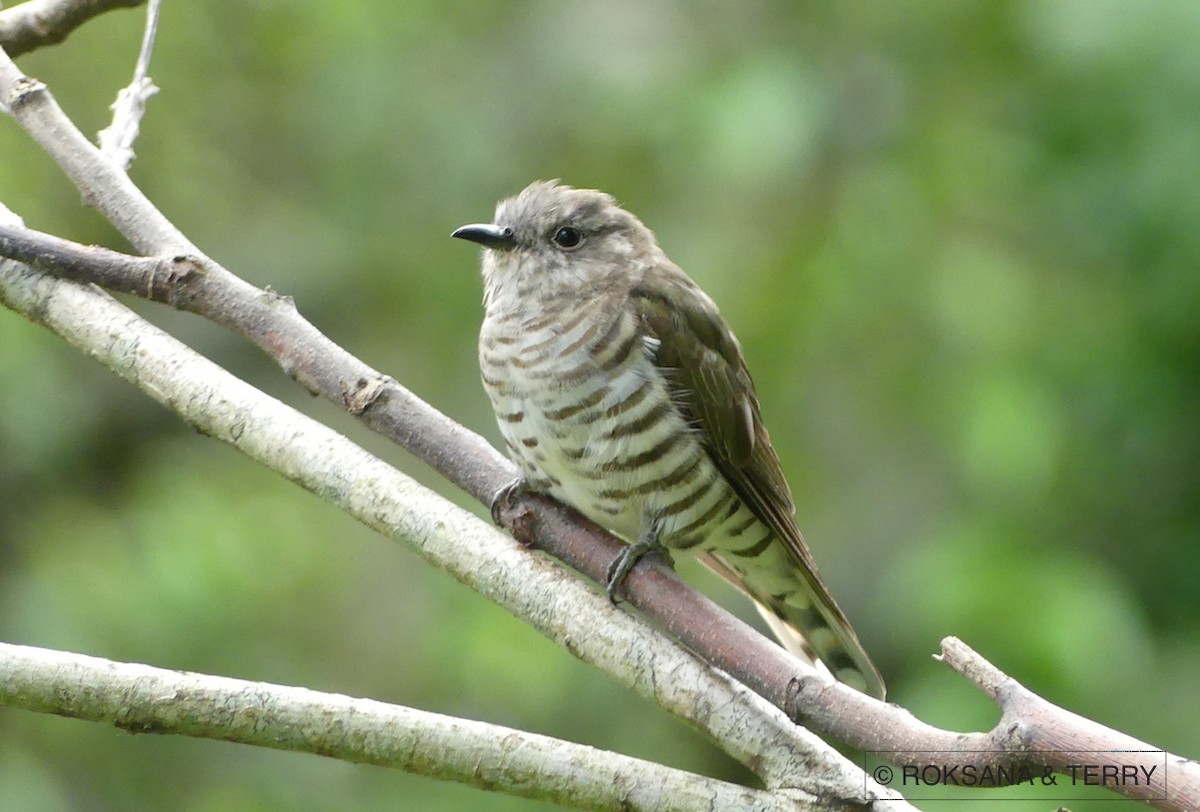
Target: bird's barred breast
<point>589,418</point>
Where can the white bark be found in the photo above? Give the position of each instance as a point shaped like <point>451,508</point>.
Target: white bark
<point>527,584</point>
<point>143,699</point>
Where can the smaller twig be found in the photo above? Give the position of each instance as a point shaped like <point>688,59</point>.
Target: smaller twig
<point>157,279</point>
<point>108,188</point>
<point>116,140</point>
<point>974,668</point>
<point>36,23</point>
<point>1053,738</point>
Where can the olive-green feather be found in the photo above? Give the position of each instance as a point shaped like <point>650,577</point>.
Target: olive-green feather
<point>711,385</point>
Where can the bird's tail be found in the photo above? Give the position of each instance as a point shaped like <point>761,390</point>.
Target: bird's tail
<point>807,624</point>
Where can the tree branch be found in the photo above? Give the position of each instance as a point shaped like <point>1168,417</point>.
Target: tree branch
<point>116,140</point>
<point>1032,732</point>
<point>36,23</point>
<point>543,594</point>
<point>181,276</point>
<point>142,699</point>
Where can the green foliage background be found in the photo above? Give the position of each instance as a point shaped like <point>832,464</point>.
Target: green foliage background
<point>959,243</point>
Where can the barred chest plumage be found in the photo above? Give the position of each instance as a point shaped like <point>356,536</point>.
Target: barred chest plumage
<point>589,418</point>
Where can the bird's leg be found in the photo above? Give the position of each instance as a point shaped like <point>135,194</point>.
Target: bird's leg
<point>507,514</point>
<point>647,544</point>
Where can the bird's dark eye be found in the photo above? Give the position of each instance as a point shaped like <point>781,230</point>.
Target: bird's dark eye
<point>568,237</point>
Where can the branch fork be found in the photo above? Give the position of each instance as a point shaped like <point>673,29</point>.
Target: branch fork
<point>1032,732</point>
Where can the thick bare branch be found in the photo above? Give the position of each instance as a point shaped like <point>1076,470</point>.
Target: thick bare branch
<point>1033,733</point>
<point>205,288</point>
<point>489,561</point>
<point>36,23</point>
<point>142,699</point>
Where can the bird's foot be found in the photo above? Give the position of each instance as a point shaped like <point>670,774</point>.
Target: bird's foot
<point>623,564</point>
<point>507,511</point>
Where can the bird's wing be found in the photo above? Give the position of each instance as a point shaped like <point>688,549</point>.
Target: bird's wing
<point>711,385</point>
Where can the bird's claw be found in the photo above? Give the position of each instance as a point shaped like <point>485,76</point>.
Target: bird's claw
<point>507,513</point>
<point>624,563</point>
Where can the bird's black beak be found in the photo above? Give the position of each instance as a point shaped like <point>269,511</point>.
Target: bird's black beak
<point>487,235</point>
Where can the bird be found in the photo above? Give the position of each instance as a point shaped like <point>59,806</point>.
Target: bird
<point>621,392</point>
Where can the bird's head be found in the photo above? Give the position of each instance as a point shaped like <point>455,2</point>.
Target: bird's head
<point>553,240</point>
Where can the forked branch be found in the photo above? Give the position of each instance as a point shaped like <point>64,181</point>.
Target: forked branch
<point>1032,732</point>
